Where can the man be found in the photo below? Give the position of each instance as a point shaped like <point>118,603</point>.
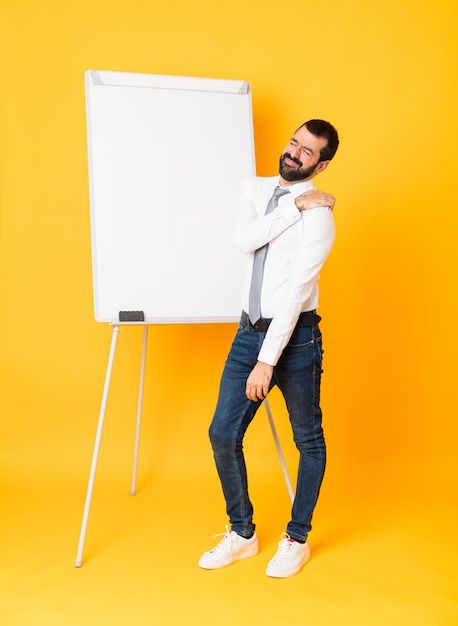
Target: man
<point>281,345</point>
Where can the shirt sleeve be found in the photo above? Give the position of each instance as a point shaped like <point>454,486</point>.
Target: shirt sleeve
<point>252,231</point>
<point>318,235</point>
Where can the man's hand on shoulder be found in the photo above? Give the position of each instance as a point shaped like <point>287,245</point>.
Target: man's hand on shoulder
<point>257,385</point>
<point>314,198</point>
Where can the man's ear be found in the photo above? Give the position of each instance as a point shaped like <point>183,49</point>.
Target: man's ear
<point>322,165</point>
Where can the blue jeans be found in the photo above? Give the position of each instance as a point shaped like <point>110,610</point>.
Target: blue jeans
<point>298,376</point>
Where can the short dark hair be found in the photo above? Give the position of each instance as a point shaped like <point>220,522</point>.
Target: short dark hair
<point>323,129</point>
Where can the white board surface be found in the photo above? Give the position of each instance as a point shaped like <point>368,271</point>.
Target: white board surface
<point>167,157</point>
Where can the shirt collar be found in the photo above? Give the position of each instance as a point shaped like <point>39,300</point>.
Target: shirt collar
<point>297,189</point>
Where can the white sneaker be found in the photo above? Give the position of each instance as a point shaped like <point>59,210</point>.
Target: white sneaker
<point>290,558</point>
<point>231,548</point>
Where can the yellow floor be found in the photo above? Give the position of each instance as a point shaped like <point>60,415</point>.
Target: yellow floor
<point>389,562</point>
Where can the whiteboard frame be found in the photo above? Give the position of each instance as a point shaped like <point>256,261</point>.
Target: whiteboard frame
<point>96,79</point>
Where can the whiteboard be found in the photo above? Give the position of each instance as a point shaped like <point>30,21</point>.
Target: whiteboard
<point>167,156</point>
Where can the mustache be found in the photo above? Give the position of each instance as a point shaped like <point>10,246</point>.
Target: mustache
<point>287,155</point>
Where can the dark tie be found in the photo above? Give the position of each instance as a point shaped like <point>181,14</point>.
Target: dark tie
<point>258,265</point>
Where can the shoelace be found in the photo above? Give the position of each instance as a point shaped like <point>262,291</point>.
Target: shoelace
<point>223,544</point>
<point>284,549</point>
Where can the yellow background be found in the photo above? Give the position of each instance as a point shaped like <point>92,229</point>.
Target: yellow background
<point>385,74</point>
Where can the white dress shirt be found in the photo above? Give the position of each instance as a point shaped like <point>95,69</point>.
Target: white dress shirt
<point>299,243</point>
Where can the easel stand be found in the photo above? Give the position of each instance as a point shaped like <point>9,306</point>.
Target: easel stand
<point>98,438</point>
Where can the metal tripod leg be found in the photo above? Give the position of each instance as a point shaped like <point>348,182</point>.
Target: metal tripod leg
<point>279,450</point>
<point>95,454</point>
<point>133,489</point>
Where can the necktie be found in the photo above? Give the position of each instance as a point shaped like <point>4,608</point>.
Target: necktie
<point>258,265</point>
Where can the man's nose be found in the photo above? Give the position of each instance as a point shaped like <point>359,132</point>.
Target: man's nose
<point>295,151</point>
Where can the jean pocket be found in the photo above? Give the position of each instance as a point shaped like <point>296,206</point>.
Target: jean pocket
<point>242,328</point>
<point>302,336</point>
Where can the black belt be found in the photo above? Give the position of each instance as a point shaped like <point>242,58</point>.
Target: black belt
<point>308,318</point>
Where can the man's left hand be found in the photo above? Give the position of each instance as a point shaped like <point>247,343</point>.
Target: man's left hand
<point>257,385</point>
<point>314,198</point>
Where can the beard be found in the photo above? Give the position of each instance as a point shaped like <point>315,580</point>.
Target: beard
<point>294,174</point>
